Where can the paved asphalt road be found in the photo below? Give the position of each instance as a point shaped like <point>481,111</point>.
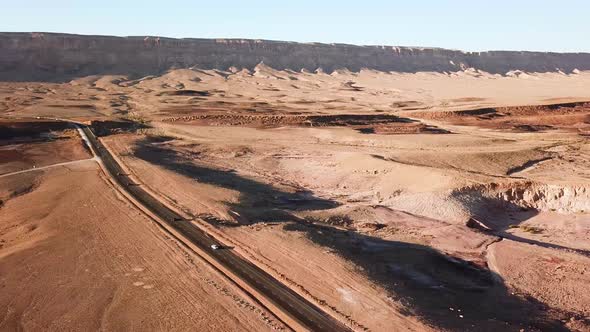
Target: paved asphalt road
<point>306,313</point>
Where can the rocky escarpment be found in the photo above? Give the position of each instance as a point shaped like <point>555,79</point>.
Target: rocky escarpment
<point>527,195</point>
<point>60,57</point>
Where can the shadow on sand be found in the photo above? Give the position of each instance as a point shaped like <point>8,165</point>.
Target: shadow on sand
<point>500,216</point>
<point>257,201</point>
<point>447,292</point>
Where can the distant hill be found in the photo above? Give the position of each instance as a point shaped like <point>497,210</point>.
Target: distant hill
<point>61,57</point>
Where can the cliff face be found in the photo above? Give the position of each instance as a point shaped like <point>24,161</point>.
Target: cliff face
<point>59,57</point>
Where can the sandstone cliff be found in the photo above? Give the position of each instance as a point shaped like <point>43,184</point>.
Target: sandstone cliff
<point>59,57</point>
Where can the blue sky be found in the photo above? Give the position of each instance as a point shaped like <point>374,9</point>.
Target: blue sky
<point>475,25</point>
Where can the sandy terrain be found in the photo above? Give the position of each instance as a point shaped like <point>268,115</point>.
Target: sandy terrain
<point>25,147</point>
<point>393,201</point>
<point>76,256</point>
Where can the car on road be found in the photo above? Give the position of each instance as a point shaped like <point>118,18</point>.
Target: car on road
<point>215,246</point>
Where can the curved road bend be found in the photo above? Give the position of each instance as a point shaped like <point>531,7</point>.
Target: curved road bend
<point>283,297</point>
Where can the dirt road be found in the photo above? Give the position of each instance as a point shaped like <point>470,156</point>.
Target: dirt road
<point>34,169</point>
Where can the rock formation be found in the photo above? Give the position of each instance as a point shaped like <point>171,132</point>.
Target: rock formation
<point>60,57</point>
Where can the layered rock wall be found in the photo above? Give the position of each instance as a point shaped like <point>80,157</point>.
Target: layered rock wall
<point>59,57</point>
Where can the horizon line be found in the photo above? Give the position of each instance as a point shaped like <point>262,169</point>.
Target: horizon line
<point>292,42</point>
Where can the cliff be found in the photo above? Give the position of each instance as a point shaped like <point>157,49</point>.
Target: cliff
<point>60,57</point>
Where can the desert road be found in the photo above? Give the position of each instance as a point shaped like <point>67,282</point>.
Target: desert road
<point>294,310</point>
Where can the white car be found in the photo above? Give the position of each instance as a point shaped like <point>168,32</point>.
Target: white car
<point>215,246</point>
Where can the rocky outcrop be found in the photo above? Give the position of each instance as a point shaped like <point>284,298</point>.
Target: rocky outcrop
<point>528,195</point>
<point>59,57</point>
